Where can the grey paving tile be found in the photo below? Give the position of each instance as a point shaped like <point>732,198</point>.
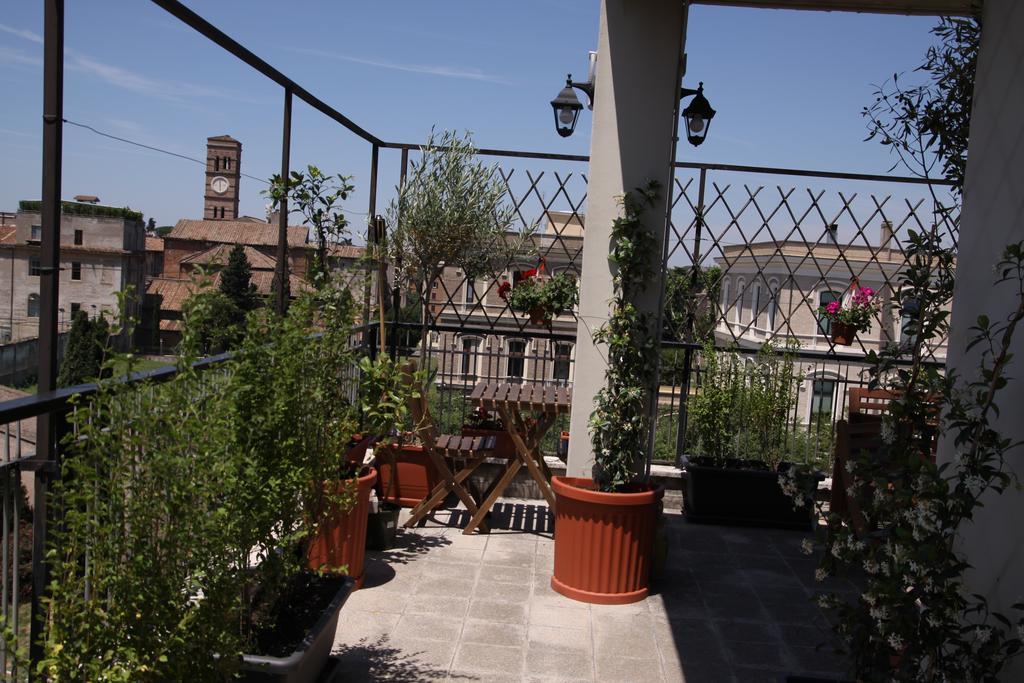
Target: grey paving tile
<point>501,574</point>
<point>445,605</point>
<point>559,616</point>
<point>614,668</point>
<point>546,661</point>
<point>566,638</point>
<point>749,631</point>
<point>509,558</point>
<point>488,658</point>
<point>493,632</point>
<point>428,627</point>
<point>443,585</point>
<point>503,592</point>
<point>354,626</point>
<point>393,660</point>
<point>763,655</point>
<point>493,610</point>
<point>377,600</point>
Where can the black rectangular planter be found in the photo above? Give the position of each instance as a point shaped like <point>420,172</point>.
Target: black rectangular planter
<point>307,661</point>
<point>719,495</point>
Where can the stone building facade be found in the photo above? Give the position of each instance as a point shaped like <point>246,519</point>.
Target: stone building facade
<point>102,253</point>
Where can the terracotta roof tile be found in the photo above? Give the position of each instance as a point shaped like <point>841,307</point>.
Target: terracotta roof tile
<point>175,292</point>
<point>220,254</point>
<point>345,251</point>
<point>7,234</point>
<point>154,243</point>
<point>232,232</point>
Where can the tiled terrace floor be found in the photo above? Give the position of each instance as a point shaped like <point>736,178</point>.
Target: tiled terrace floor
<point>733,605</point>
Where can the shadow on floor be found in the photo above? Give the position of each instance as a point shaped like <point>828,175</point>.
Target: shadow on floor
<point>380,661</point>
<point>740,605</point>
<point>527,518</point>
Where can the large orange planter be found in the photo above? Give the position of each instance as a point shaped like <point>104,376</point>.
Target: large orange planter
<point>341,538</point>
<point>604,542</point>
<point>415,474</point>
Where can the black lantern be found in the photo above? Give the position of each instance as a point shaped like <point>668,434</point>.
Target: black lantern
<point>567,109</point>
<point>697,115</point>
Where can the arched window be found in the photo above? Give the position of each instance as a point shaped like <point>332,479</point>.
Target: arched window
<point>740,291</point>
<point>726,302</point>
<point>823,393</point>
<point>470,295</point>
<point>755,304</point>
<point>773,304</point>
<point>33,305</point>
<point>825,297</point>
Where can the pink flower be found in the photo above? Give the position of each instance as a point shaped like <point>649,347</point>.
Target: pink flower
<point>867,291</point>
<point>833,307</point>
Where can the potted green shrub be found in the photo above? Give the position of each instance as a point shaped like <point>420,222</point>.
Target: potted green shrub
<point>541,299</point>
<point>741,440</point>
<point>605,526</point>
<point>190,505</point>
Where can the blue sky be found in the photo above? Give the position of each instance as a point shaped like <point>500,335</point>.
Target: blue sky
<point>788,87</point>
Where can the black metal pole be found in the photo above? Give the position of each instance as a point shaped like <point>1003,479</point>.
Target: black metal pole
<point>46,447</point>
<point>281,305</point>
<point>396,294</point>
<point>688,355</point>
<point>371,226</point>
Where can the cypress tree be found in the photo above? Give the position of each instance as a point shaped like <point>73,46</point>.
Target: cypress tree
<point>236,281</point>
<point>86,346</point>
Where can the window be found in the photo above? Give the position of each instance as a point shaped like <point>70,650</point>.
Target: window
<point>36,233</point>
<point>773,304</point>
<point>33,305</point>
<point>33,267</point>
<point>560,368</point>
<point>470,356</point>
<point>908,319</point>
<point>216,163</point>
<point>755,304</point>
<point>78,237</point>
<point>227,163</point>
<point>76,270</point>
<point>75,308</point>
<point>516,359</point>
<point>823,392</point>
<point>824,299</point>
<point>726,303</point>
<point>740,291</point>
<point>470,292</point>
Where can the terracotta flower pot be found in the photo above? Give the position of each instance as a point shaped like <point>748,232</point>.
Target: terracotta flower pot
<point>341,538</point>
<point>843,334</point>
<point>604,542</point>
<point>538,316</point>
<point>415,475</point>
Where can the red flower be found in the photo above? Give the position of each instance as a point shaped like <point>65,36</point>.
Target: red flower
<point>503,289</point>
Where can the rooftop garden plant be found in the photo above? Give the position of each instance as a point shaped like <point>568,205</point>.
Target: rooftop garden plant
<point>542,299</point>
<point>452,211</point>
<point>79,209</point>
<point>620,422</point>
<point>856,313</point>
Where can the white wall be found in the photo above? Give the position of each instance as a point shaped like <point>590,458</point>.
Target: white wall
<point>993,216</point>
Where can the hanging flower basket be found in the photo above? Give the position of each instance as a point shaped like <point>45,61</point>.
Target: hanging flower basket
<point>542,299</point>
<point>539,316</point>
<point>843,334</point>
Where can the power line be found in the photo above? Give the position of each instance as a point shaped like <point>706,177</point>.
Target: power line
<point>175,154</point>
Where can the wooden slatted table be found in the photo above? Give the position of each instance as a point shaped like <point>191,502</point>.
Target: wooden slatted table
<point>512,401</point>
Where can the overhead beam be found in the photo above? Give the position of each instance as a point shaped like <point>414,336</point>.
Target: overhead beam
<point>915,7</point>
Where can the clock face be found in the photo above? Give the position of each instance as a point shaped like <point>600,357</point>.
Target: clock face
<point>219,184</point>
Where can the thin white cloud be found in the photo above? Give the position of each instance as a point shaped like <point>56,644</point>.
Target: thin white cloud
<point>10,56</point>
<point>467,73</point>
<point>22,33</point>
<point>19,133</point>
<point>115,75</point>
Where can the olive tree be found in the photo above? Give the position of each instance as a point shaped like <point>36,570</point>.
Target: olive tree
<point>452,211</point>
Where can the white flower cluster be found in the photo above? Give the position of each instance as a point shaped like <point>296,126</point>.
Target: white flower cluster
<point>895,641</point>
<point>820,574</point>
<point>982,634</point>
<point>806,546</point>
<point>888,432</point>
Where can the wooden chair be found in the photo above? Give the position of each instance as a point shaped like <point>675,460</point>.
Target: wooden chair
<point>851,439</point>
<point>465,452</point>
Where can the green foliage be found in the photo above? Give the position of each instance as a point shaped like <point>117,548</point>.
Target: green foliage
<point>557,295</point>
<point>745,409</point>
<point>385,392</point>
<point>169,490</point>
<point>930,122</point>
<point>690,300</point>
<point>213,319</point>
<point>915,618</point>
<point>236,282</point>
<point>619,425</point>
<point>76,209</point>
<point>452,211</point>
<point>317,197</point>
<point>87,346</point>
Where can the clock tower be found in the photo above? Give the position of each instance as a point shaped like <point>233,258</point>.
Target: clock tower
<point>223,170</point>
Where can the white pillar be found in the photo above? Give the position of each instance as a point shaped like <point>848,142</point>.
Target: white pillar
<point>637,90</point>
<point>993,216</point>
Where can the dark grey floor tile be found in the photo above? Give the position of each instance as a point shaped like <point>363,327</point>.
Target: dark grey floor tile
<point>761,655</point>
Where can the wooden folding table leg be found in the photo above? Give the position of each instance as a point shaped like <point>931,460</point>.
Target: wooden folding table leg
<point>440,492</point>
<point>525,455</point>
<point>496,491</point>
